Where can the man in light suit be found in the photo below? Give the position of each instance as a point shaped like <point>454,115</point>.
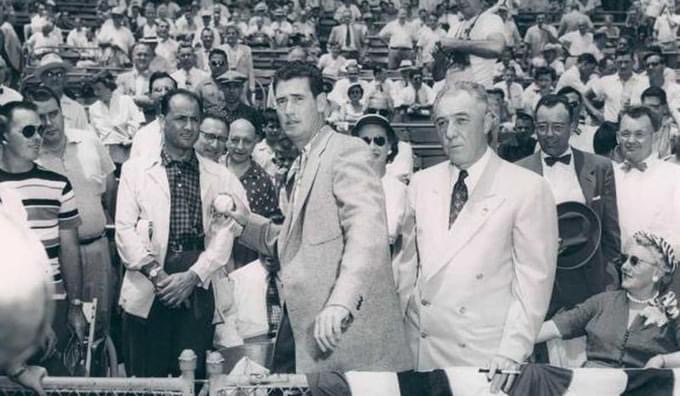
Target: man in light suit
<point>486,236</point>
<point>164,207</point>
<point>350,37</point>
<point>582,177</point>
<point>239,56</point>
<point>339,293</point>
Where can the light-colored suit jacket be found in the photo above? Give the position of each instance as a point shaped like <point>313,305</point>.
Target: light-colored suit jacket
<point>333,250</point>
<point>144,196</point>
<point>242,62</point>
<point>483,286</point>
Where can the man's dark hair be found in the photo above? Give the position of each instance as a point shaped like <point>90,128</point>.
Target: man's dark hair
<point>218,51</point>
<point>522,115</point>
<point>7,113</point>
<point>165,100</point>
<point>270,116</point>
<point>545,70</point>
<point>622,52</point>
<point>655,92</point>
<point>217,117</point>
<point>552,100</point>
<point>299,69</point>
<point>496,91</point>
<point>41,93</point>
<point>157,76</point>
<point>604,140</point>
<point>637,112</point>
<point>654,51</point>
<point>586,58</point>
<point>570,90</point>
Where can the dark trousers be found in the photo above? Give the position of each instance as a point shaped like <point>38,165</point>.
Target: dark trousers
<point>54,364</point>
<point>153,345</point>
<point>283,360</point>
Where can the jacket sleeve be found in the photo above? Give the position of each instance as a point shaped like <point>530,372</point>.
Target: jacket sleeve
<point>361,211</point>
<point>611,233</point>
<point>405,262</point>
<point>534,245</point>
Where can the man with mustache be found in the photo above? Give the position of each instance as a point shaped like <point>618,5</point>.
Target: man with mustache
<point>341,309</point>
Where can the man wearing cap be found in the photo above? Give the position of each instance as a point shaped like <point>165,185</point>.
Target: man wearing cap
<point>206,23</point>
<point>52,72</point>
<point>347,34</point>
<point>400,38</point>
<point>576,176</point>
<point>239,56</point>
<point>188,75</point>
<point>82,158</point>
<point>116,34</point>
<point>231,84</point>
<point>209,89</point>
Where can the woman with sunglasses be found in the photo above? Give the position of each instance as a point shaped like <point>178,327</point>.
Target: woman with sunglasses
<point>636,326</point>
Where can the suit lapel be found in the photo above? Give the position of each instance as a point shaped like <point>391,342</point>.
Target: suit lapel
<point>536,163</point>
<point>585,173</point>
<point>481,204</point>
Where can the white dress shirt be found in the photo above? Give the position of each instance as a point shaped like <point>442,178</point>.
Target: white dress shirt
<point>118,122</point>
<point>400,36</point>
<point>474,173</point>
<point>189,79</point>
<point>563,180</point>
<point>617,92</point>
<point>649,200</point>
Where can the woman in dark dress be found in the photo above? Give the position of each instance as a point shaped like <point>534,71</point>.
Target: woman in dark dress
<point>635,326</point>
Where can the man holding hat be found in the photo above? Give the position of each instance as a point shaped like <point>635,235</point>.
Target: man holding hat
<point>52,72</point>
<point>576,176</point>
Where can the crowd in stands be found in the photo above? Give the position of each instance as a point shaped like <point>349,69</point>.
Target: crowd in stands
<point>141,114</point>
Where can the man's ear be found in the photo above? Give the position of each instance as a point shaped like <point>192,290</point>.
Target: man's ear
<point>4,129</point>
<point>322,103</point>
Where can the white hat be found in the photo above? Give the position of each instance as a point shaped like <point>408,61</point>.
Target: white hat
<point>51,61</point>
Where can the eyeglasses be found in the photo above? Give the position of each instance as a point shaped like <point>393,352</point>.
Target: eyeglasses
<point>211,137</point>
<point>30,130</point>
<point>55,74</point>
<point>217,63</point>
<point>634,260</point>
<point>543,128</point>
<point>378,140</point>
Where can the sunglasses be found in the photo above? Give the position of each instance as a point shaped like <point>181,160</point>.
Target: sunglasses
<point>378,140</point>
<point>30,130</point>
<point>54,74</point>
<point>634,260</point>
<point>217,63</point>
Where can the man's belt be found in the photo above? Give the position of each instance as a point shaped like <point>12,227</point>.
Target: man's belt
<point>88,241</point>
<point>186,244</point>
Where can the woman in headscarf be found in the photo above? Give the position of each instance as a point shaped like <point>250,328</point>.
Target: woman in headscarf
<point>635,326</point>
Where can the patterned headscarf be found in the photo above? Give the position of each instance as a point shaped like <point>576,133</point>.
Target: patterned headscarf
<point>661,246</point>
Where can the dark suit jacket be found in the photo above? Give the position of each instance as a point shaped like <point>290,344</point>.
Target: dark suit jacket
<point>596,177</point>
<point>338,34</point>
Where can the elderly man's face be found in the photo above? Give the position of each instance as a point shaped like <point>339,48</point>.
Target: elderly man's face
<point>460,122</point>
<point>231,35</point>
<point>141,57</point>
<point>635,137</point>
<point>553,129</point>
<point>160,87</point>
<point>163,29</point>
<point>54,79</point>
<point>207,38</point>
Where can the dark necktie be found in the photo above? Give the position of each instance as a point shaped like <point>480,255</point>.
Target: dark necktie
<point>348,38</point>
<point>458,197</point>
<point>565,159</point>
<point>273,304</point>
<point>628,165</point>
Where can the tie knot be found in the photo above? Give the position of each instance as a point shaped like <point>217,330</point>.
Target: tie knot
<point>462,175</point>
<point>565,159</point>
<point>629,165</point>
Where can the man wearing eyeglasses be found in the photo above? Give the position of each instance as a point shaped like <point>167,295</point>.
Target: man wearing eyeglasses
<point>576,176</point>
<point>209,90</point>
<point>212,137</point>
<point>50,204</point>
<point>647,188</point>
<point>52,72</point>
<point>80,156</point>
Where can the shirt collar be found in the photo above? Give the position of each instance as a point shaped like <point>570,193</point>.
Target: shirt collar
<point>166,160</point>
<point>568,151</point>
<point>474,171</point>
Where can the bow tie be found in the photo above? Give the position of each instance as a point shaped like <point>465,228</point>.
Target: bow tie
<point>628,165</point>
<point>565,159</point>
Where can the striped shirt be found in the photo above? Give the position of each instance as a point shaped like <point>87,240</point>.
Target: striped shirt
<point>50,205</point>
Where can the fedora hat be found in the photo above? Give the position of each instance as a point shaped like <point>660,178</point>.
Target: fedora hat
<point>580,232</point>
<point>51,61</point>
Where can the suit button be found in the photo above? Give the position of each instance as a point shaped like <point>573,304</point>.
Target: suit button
<point>462,310</point>
<point>425,302</point>
<point>423,334</point>
<point>479,276</point>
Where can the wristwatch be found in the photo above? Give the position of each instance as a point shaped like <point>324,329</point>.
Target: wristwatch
<point>153,273</point>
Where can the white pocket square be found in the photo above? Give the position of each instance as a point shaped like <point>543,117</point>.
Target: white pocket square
<point>597,198</point>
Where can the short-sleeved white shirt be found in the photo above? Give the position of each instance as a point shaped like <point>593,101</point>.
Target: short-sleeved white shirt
<point>615,92</point>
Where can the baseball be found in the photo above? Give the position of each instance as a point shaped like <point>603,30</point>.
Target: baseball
<point>223,203</point>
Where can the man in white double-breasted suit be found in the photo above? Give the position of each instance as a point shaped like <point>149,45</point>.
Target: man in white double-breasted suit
<point>486,237</point>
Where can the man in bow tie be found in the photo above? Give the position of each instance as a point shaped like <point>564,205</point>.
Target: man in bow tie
<point>583,177</point>
<point>647,188</point>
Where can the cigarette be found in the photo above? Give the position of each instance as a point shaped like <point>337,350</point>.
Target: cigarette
<point>511,372</point>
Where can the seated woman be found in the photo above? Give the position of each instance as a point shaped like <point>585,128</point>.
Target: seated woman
<point>351,110</point>
<point>634,327</point>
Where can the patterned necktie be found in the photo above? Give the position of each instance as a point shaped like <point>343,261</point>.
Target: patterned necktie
<point>565,159</point>
<point>273,304</point>
<point>458,197</point>
<point>628,165</point>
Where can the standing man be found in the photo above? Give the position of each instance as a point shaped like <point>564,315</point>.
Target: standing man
<point>341,311</point>
<point>576,176</point>
<point>231,84</point>
<point>52,73</point>
<point>209,89</point>
<point>82,158</point>
<point>349,36</point>
<point>475,45</point>
<point>400,38</point>
<point>50,204</point>
<point>239,56</point>
<point>188,75</point>
<point>135,82</point>
<point>476,303</point>
<point>166,294</point>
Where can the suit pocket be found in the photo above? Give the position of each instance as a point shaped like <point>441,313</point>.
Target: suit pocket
<point>323,237</point>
